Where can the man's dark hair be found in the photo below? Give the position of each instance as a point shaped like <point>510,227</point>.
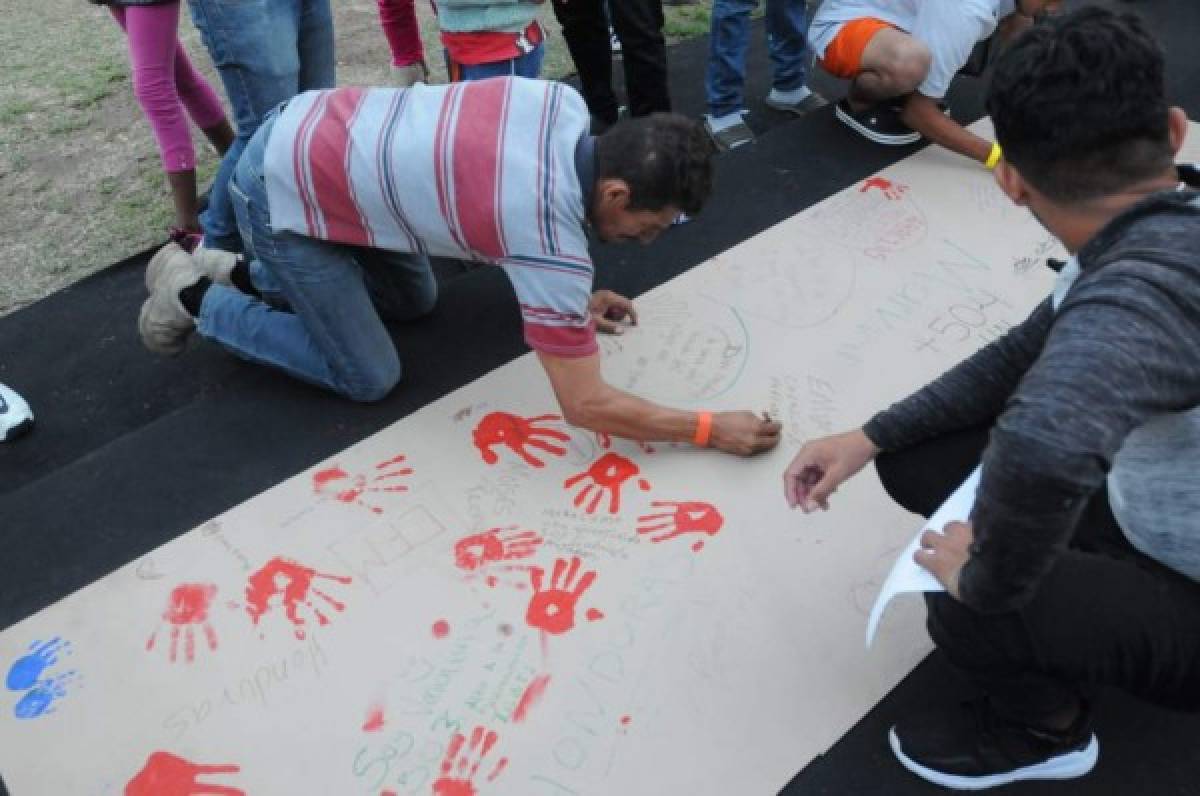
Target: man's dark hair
<point>664,158</point>
<point>1079,107</point>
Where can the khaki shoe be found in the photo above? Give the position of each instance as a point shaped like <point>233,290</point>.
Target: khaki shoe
<point>216,264</point>
<point>163,322</point>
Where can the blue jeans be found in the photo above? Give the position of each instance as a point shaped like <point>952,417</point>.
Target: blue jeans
<point>526,65</point>
<point>266,51</point>
<point>787,27</point>
<point>338,296</point>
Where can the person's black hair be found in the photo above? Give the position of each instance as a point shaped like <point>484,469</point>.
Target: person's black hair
<point>664,158</point>
<point>1079,105</point>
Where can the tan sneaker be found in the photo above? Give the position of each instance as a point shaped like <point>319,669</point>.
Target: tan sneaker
<point>163,322</point>
<point>216,264</point>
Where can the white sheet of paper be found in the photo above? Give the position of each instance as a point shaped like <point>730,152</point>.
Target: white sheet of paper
<point>906,576</point>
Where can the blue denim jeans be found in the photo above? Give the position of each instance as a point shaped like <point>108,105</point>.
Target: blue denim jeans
<point>527,65</point>
<point>787,27</point>
<point>266,51</point>
<point>332,333</point>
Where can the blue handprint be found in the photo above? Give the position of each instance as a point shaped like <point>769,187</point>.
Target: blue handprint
<point>26,674</point>
<point>40,699</point>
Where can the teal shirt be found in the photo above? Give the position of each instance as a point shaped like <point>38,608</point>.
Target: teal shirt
<point>471,16</point>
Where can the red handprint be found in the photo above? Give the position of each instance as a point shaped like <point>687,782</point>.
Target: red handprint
<point>341,485</point>
<point>607,473</point>
<point>553,609</point>
<point>459,767</point>
<point>482,549</point>
<point>890,190</point>
<point>684,517</point>
<point>186,607</point>
<point>293,582</point>
<point>517,433</point>
<point>167,775</point>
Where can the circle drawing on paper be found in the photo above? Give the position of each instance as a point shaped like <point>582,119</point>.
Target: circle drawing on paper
<point>685,349</point>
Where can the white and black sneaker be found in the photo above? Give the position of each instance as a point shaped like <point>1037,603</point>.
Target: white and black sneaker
<point>971,747</point>
<point>879,123</point>
<point>16,418</point>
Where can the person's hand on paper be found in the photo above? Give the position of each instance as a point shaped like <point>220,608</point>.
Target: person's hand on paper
<point>612,312</point>
<point>822,465</point>
<point>944,554</point>
<point>744,433</point>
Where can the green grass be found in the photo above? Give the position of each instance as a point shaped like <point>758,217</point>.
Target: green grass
<point>83,186</point>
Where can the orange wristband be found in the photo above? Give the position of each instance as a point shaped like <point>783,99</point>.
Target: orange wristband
<point>703,429</point>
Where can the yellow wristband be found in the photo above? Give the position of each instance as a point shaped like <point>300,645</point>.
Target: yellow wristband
<point>993,157</point>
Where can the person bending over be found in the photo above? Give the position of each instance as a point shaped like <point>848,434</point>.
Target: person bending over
<point>900,56</point>
<point>1080,564</point>
<point>345,194</point>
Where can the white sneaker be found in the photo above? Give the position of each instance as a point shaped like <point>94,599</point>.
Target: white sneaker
<point>16,418</point>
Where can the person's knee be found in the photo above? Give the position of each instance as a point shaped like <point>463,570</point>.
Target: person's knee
<point>904,483</point>
<point>909,64</point>
<point>154,89</point>
<point>375,381</point>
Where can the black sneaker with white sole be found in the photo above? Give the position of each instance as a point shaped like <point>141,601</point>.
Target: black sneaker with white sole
<point>879,123</point>
<point>970,747</point>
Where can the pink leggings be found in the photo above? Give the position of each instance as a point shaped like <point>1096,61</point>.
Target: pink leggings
<point>399,18</point>
<point>165,82</point>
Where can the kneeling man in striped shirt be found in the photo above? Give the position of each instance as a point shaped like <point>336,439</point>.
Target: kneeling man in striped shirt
<point>343,195</point>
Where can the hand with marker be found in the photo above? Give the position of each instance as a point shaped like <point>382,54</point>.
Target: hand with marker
<point>612,312</point>
<point>822,466</point>
<point>744,433</point>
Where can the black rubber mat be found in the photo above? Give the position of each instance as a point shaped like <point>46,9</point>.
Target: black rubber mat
<point>131,450</point>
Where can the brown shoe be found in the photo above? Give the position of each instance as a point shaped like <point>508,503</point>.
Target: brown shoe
<point>163,322</point>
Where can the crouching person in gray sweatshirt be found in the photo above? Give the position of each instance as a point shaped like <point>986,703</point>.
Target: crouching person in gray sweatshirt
<point>1080,566</point>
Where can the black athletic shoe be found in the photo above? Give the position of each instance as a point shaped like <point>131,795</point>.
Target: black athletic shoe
<point>879,123</point>
<point>969,747</point>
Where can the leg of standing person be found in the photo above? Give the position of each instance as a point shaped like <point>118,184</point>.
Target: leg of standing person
<point>725,76</point>
<point>585,30</point>
<point>787,42</point>
<point>527,65</point>
<point>639,26</point>
<point>334,336</point>
<point>266,51</point>
<point>151,34</point>
<point>399,21</point>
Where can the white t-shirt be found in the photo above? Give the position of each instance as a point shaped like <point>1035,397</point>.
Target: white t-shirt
<point>949,28</point>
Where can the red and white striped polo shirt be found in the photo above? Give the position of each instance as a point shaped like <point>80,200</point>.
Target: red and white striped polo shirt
<point>480,171</point>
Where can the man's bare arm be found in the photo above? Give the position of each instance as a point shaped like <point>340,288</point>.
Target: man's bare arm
<point>924,116</point>
<point>590,402</point>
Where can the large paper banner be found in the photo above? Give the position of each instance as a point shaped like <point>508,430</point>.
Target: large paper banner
<point>481,599</point>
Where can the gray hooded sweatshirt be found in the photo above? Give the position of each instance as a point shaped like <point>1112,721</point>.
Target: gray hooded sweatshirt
<point>1100,384</point>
